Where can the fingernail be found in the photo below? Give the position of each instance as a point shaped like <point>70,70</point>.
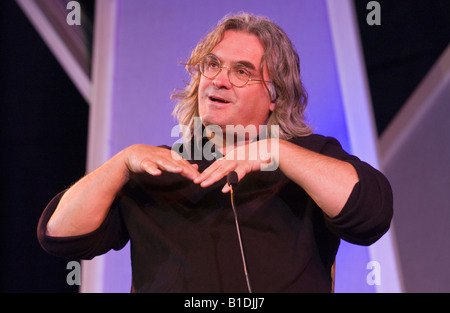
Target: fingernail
<point>225,188</point>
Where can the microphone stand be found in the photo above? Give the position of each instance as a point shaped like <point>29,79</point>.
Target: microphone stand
<point>232,180</point>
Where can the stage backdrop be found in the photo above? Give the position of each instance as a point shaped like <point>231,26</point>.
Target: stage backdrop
<point>150,40</point>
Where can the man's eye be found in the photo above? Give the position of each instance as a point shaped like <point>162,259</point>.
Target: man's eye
<point>241,71</point>
<point>213,64</point>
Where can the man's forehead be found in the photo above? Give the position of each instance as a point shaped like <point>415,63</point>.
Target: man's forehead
<point>239,46</point>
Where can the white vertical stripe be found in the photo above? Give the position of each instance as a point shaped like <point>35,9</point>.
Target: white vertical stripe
<point>59,49</point>
<point>423,98</point>
<point>100,117</point>
<point>360,121</point>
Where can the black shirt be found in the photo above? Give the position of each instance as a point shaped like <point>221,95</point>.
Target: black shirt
<point>183,237</point>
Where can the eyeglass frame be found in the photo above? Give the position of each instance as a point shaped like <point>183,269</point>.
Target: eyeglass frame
<point>221,66</point>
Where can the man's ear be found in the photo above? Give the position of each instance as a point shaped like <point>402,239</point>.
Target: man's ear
<point>271,106</point>
<point>273,96</point>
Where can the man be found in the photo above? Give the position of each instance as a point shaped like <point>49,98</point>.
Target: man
<point>176,211</point>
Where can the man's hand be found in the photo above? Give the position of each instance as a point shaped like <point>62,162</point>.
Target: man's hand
<point>154,160</point>
<point>327,180</point>
<point>243,160</point>
<point>85,205</point>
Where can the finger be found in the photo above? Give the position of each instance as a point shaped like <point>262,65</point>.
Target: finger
<point>168,166</point>
<point>207,172</point>
<point>241,170</point>
<point>226,188</point>
<point>240,174</point>
<point>218,174</point>
<point>190,172</point>
<point>180,166</point>
<point>150,167</point>
<point>179,159</point>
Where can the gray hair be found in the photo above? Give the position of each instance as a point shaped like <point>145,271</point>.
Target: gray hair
<point>283,65</point>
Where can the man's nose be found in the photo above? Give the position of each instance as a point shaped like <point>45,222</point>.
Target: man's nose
<point>222,80</point>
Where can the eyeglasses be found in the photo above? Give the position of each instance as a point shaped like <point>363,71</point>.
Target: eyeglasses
<point>238,74</point>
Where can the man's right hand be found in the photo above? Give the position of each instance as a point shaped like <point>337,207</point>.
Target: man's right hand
<point>154,160</point>
<point>85,205</point>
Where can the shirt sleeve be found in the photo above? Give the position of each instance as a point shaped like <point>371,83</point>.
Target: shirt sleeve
<point>369,209</point>
<point>111,234</point>
<point>368,212</point>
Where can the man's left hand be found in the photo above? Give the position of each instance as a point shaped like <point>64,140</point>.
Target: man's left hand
<point>242,159</point>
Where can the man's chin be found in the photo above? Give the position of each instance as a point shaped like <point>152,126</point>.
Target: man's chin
<point>214,122</point>
<point>214,126</point>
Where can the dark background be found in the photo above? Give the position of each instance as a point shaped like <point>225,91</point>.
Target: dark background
<point>43,133</point>
<point>43,149</point>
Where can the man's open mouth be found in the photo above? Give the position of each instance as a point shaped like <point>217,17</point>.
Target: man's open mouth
<point>218,99</point>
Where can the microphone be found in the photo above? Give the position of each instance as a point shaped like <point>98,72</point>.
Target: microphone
<point>232,180</point>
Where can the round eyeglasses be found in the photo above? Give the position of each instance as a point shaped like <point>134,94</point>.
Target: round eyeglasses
<point>238,74</point>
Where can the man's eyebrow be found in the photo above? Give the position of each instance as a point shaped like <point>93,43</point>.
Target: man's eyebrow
<point>247,64</point>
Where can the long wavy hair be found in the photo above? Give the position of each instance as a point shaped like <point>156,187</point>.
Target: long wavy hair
<point>283,64</point>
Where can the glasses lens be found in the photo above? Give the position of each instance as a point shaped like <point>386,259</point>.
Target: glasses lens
<point>210,66</point>
<point>239,75</point>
